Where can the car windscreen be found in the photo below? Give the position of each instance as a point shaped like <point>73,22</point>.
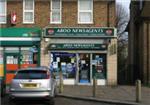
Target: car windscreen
<point>31,74</point>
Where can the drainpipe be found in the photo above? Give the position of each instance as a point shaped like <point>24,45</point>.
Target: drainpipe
<point>108,5</point>
<point>147,78</point>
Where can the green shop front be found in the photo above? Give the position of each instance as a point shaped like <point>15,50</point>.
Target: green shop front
<point>19,48</point>
<point>80,53</point>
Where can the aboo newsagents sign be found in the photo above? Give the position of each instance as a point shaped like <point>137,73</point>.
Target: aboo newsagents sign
<point>80,32</point>
<point>77,46</point>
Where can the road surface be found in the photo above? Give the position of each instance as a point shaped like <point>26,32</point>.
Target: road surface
<point>58,101</point>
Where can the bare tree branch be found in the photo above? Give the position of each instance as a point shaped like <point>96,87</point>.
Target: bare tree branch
<point>122,18</point>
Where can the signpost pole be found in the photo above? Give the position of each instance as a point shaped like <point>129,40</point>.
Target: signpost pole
<point>94,86</point>
<point>61,82</point>
<point>138,91</point>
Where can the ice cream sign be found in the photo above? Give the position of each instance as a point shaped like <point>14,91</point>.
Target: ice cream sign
<point>13,18</point>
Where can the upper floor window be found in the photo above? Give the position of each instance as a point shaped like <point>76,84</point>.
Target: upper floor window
<point>85,11</point>
<point>55,13</point>
<point>28,11</point>
<point>3,14</point>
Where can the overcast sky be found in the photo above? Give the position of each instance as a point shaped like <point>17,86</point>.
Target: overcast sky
<point>124,3</point>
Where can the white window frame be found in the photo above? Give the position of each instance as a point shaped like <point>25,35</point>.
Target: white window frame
<point>85,11</point>
<point>5,14</point>
<point>27,22</point>
<point>59,22</point>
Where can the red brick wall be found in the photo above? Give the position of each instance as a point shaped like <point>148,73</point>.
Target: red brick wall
<point>69,14</point>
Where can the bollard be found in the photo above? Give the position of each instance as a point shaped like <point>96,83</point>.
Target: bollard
<point>138,91</point>
<point>94,86</point>
<point>60,82</point>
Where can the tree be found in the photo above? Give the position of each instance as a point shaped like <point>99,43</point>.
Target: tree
<point>122,20</point>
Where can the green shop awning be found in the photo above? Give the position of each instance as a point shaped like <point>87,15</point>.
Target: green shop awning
<point>19,43</point>
<point>20,36</point>
<point>20,32</point>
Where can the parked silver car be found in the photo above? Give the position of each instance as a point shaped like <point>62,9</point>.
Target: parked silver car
<point>33,83</point>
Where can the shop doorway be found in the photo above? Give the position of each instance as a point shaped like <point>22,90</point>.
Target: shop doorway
<point>11,65</point>
<point>84,68</point>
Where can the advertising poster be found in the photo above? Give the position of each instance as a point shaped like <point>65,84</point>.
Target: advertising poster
<point>1,69</point>
<point>69,67</point>
<point>83,62</point>
<point>63,67</point>
<point>1,65</point>
<point>1,59</point>
<point>94,62</point>
<point>72,60</point>
<point>58,59</point>
<point>55,65</point>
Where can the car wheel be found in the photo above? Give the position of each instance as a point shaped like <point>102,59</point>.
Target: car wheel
<point>3,88</point>
<point>11,101</point>
<point>2,93</point>
<point>55,92</point>
<point>51,101</point>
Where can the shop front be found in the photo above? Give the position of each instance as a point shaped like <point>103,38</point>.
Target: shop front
<point>80,58</point>
<point>79,63</point>
<point>20,48</point>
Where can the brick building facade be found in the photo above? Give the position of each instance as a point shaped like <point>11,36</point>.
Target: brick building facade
<point>95,16</point>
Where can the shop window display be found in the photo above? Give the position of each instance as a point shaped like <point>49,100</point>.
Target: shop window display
<point>11,62</point>
<point>65,62</point>
<point>12,49</point>
<point>99,66</point>
<point>11,58</point>
<point>28,57</point>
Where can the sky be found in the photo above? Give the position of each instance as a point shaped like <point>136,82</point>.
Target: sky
<point>125,3</point>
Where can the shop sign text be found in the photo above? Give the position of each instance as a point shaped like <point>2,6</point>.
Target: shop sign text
<point>79,32</point>
<point>69,46</point>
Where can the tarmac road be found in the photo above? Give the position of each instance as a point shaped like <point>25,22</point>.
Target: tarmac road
<point>58,101</point>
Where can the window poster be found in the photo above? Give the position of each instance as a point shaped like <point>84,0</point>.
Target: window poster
<point>55,65</point>
<point>97,57</point>
<point>101,59</point>
<point>72,60</point>
<point>83,62</point>
<point>94,62</point>
<point>69,67</point>
<point>58,59</point>
<point>63,66</point>
<point>1,59</point>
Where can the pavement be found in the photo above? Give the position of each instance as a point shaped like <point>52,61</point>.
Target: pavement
<point>122,95</point>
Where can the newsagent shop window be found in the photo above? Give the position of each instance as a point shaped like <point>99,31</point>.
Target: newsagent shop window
<point>3,15</point>
<point>65,62</point>
<point>28,11</point>
<point>99,66</point>
<point>85,11</point>
<point>55,14</point>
